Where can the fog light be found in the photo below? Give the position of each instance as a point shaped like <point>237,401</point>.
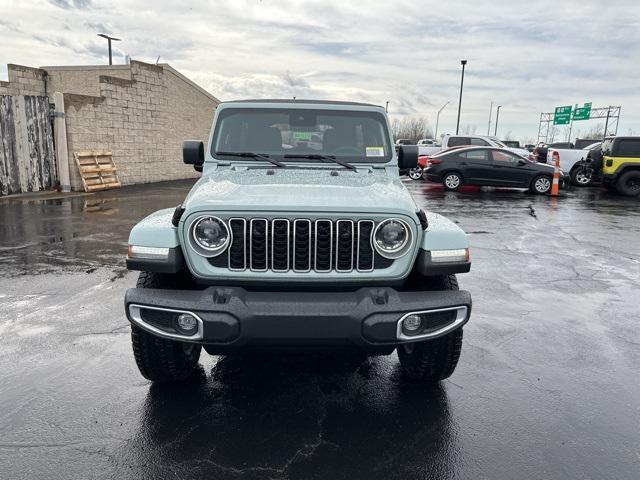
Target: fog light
<point>187,323</point>
<point>412,323</point>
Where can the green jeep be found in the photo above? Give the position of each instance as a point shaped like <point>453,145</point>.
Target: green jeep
<point>299,236</point>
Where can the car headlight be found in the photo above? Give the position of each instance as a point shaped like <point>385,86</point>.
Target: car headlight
<point>211,236</point>
<point>392,238</point>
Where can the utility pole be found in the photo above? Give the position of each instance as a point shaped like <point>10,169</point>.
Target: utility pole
<point>490,112</point>
<point>495,132</point>
<point>435,135</point>
<point>109,39</point>
<point>463,63</point>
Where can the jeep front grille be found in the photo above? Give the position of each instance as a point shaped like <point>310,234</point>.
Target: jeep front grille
<point>300,245</point>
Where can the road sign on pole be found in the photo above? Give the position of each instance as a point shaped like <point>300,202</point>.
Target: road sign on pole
<point>562,115</point>
<point>582,113</point>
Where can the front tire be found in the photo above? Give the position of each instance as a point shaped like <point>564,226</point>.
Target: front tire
<point>415,173</point>
<point>629,183</point>
<point>541,184</point>
<point>433,360</point>
<point>581,177</point>
<point>159,359</point>
<point>452,181</point>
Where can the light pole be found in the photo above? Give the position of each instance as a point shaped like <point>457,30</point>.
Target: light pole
<point>103,35</point>
<point>463,63</point>
<point>495,132</point>
<point>386,108</point>
<point>435,135</point>
<point>490,112</point>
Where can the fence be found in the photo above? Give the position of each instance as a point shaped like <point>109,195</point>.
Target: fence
<point>27,160</point>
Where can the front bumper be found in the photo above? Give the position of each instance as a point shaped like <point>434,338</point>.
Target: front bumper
<point>233,319</point>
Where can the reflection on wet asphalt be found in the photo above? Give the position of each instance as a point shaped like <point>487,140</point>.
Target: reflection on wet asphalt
<point>546,387</point>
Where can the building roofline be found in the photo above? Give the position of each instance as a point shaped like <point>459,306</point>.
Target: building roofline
<point>164,66</point>
<point>86,67</point>
<point>189,81</point>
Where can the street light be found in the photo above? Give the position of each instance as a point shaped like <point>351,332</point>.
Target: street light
<point>386,108</point>
<point>435,135</point>
<point>103,35</point>
<point>495,131</point>
<point>463,63</point>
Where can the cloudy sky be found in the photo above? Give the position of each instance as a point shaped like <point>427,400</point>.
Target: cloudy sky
<point>527,56</point>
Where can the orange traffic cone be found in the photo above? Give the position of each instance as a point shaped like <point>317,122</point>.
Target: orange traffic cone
<point>555,186</point>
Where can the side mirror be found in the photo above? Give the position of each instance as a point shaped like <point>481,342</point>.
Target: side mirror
<point>522,162</point>
<point>193,153</point>
<point>407,156</point>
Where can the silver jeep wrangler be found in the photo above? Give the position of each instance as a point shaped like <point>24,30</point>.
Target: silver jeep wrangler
<point>298,236</point>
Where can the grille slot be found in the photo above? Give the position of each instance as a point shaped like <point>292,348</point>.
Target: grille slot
<point>365,250</point>
<point>280,245</point>
<point>301,245</point>
<point>344,245</point>
<point>238,248</point>
<point>258,244</point>
<point>324,241</point>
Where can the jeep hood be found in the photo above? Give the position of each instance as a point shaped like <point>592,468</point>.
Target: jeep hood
<point>299,189</point>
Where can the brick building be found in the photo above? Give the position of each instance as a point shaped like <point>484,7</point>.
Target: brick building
<point>140,112</point>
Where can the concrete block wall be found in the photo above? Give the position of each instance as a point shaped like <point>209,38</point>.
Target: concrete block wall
<point>83,79</point>
<point>23,81</point>
<point>142,120</point>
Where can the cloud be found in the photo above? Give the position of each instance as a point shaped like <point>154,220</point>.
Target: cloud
<point>404,52</point>
<point>69,4</point>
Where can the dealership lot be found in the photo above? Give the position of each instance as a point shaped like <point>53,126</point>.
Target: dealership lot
<point>546,387</point>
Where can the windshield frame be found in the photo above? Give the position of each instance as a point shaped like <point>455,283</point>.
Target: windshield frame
<point>360,159</point>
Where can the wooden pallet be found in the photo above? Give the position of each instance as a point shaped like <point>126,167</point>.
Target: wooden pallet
<point>97,170</point>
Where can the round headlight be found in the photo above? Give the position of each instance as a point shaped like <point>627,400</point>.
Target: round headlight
<point>211,234</point>
<point>391,238</point>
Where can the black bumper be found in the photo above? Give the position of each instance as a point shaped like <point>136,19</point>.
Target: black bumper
<point>233,318</point>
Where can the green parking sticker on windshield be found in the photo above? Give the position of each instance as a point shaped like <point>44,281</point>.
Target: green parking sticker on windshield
<point>375,151</point>
<point>304,136</point>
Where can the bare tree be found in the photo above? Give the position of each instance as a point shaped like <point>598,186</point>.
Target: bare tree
<point>411,128</point>
<point>596,132</point>
<point>469,129</point>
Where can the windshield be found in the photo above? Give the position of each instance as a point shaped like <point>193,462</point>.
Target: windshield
<point>351,136</point>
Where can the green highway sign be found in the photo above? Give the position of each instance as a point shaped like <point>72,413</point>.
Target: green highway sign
<point>562,115</point>
<point>582,113</point>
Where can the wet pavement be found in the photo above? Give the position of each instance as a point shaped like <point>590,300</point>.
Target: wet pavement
<point>547,385</point>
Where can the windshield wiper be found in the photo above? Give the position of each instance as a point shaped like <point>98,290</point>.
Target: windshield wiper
<point>259,156</point>
<point>317,156</point>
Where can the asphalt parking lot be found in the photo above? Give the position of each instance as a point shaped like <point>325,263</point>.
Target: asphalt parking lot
<point>547,386</point>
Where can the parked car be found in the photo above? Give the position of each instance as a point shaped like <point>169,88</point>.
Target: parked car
<point>451,141</point>
<point>490,166</point>
<point>464,140</point>
<point>581,143</point>
<point>404,141</point>
<point>297,249</point>
<point>540,152</point>
<point>620,170</point>
<point>570,162</point>
<point>512,143</point>
<point>427,141</point>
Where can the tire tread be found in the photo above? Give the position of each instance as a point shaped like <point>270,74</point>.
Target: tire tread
<point>434,360</point>
<point>159,359</point>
